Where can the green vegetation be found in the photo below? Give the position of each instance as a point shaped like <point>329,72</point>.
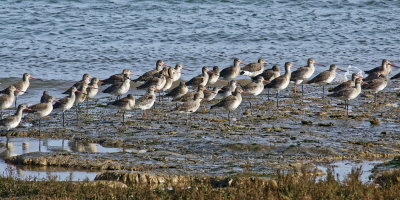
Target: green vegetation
<point>294,185</point>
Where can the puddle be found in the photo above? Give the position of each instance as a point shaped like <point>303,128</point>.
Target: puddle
<point>342,168</point>
<point>20,145</point>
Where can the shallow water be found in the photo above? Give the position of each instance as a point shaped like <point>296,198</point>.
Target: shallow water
<point>21,145</point>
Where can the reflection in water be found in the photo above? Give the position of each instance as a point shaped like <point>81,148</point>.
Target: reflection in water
<point>13,146</point>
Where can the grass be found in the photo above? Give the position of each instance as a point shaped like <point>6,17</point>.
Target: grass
<point>294,185</point>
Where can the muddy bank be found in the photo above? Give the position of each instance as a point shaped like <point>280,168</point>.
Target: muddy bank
<point>300,132</point>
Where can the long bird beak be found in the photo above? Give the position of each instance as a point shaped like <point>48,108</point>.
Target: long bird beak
<point>266,82</point>
<point>17,90</point>
<point>242,63</point>
<point>78,91</point>
<point>210,72</point>
<point>394,65</point>
<point>100,82</point>
<point>319,64</point>
<point>185,68</point>
<point>25,109</point>
<point>341,69</point>
<point>55,100</point>
<point>131,73</point>
<point>33,78</point>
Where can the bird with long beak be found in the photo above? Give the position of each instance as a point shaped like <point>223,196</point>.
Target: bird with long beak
<point>325,77</point>
<point>117,78</point>
<point>177,72</point>
<point>303,73</point>
<point>254,88</point>
<point>13,121</point>
<point>21,86</point>
<point>254,69</point>
<point>42,109</point>
<point>7,99</point>
<point>233,71</point>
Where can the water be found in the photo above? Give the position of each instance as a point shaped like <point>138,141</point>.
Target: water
<point>61,40</point>
<point>342,168</point>
<point>21,145</point>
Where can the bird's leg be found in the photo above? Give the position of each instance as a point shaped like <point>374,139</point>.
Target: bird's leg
<point>295,88</point>
<point>16,99</point>
<point>123,117</point>
<point>63,117</point>
<point>323,91</point>
<point>251,111</point>
<point>302,89</point>
<point>187,119</point>
<point>277,99</point>
<point>268,93</point>
<point>229,117</point>
<point>40,126</point>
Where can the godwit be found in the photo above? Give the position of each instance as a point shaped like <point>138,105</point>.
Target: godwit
<point>119,89</point>
<point>254,88</point>
<point>190,95</point>
<point>146,101</point>
<point>125,104</point>
<point>7,99</point>
<point>45,97</point>
<point>231,72</point>
<point>348,93</point>
<point>214,76</point>
<point>177,71</point>
<point>376,85</point>
<point>230,103</point>
<point>169,80</point>
<point>303,73</point>
<point>93,88</point>
<point>42,109</point>
<point>65,103</point>
<point>325,77</point>
<point>384,69</point>
<point>254,69</point>
<point>211,94</point>
<point>13,121</point>
<point>346,84</point>
<point>281,82</point>
<point>227,90</point>
<point>117,78</point>
<point>21,86</point>
<point>150,74</point>
<point>269,75</point>
<point>85,80</point>
<point>158,81</point>
<point>190,106</point>
<point>179,91</point>
<point>200,80</point>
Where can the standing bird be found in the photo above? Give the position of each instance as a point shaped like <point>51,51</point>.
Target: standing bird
<point>93,88</point>
<point>269,75</point>
<point>146,101</point>
<point>66,103</point>
<point>254,88</point>
<point>116,78</point>
<point>325,77</point>
<point>281,82</point>
<point>42,109</point>
<point>376,85</point>
<point>21,86</point>
<point>85,80</point>
<point>348,94</point>
<point>179,91</point>
<point>346,84</point>
<point>125,104</point>
<point>303,73</point>
<point>214,76</point>
<point>169,79</point>
<point>200,80</point>
<point>230,103</point>
<point>254,69</point>
<point>190,106</point>
<point>150,74</point>
<point>158,81</point>
<point>177,71</point>
<point>7,99</point>
<point>231,72</point>
<point>45,96</point>
<point>190,95</point>
<point>228,89</point>
<point>211,94</point>
<point>120,88</point>
<point>13,121</point>
<point>385,68</point>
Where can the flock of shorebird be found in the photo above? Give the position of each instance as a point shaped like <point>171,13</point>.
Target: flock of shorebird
<point>161,79</point>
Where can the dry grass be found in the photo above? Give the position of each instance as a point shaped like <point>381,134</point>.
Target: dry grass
<point>294,185</point>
